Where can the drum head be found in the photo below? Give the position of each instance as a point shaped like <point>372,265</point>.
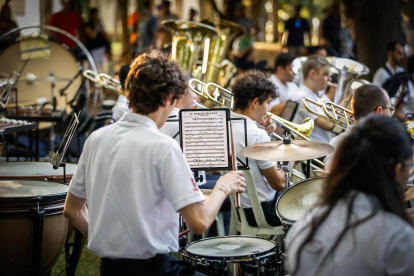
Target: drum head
<point>21,189</point>
<point>62,64</point>
<point>230,247</point>
<point>27,169</point>
<point>299,199</point>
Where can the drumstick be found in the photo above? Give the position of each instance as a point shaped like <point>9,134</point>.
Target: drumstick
<point>183,233</point>
<point>234,163</point>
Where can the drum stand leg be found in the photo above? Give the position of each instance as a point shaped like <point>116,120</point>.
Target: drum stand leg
<point>72,260</point>
<point>38,219</point>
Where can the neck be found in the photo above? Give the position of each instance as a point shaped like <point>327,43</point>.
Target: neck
<point>247,112</point>
<point>156,116</point>
<point>393,65</point>
<point>180,105</point>
<point>308,83</point>
<point>279,77</point>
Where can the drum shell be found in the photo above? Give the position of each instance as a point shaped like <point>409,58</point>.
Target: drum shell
<point>16,234</point>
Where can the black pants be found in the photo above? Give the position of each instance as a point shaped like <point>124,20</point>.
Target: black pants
<point>269,210</point>
<point>160,265</point>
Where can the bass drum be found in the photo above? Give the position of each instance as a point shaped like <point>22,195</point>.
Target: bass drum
<point>245,255</point>
<point>298,199</point>
<point>17,241</point>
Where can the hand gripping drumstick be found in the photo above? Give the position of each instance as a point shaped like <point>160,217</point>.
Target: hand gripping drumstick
<point>234,163</point>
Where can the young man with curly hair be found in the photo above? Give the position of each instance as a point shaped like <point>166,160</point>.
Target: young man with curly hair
<point>253,93</point>
<point>135,180</point>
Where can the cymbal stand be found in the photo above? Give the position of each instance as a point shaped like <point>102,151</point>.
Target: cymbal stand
<point>287,168</point>
<point>52,129</point>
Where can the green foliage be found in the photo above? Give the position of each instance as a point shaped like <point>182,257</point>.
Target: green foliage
<point>407,6</point>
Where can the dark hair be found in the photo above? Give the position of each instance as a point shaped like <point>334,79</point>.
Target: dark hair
<point>392,45</point>
<point>250,85</point>
<point>147,4</point>
<point>152,79</point>
<point>283,59</point>
<point>166,4</point>
<point>123,74</point>
<point>366,98</point>
<point>313,50</point>
<point>314,62</point>
<point>3,10</point>
<point>91,11</point>
<point>365,163</point>
<point>410,64</point>
<point>193,11</point>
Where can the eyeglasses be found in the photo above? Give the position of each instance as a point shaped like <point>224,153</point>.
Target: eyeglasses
<point>390,108</point>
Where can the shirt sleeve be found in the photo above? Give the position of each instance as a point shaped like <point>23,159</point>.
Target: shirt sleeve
<point>261,138</point>
<point>177,180</point>
<point>380,77</point>
<point>399,254</point>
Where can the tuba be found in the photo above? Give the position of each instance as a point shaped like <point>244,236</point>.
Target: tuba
<point>219,68</point>
<point>188,38</point>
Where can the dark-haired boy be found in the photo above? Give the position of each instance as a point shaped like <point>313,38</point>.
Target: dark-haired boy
<point>282,78</point>
<point>253,93</point>
<point>135,180</point>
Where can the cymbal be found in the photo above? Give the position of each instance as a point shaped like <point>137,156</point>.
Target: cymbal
<point>296,151</point>
<point>47,79</point>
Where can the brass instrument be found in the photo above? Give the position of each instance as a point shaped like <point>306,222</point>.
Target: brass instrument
<point>188,38</point>
<point>349,91</point>
<point>297,64</point>
<point>409,123</point>
<point>333,113</point>
<point>104,81</point>
<point>219,46</point>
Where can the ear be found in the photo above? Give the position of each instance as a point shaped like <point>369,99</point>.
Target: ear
<point>312,73</point>
<point>255,102</point>
<point>378,111</point>
<point>169,102</point>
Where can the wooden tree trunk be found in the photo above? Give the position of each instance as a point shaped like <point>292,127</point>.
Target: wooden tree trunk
<point>377,23</point>
<point>275,21</point>
<point>123,12</point>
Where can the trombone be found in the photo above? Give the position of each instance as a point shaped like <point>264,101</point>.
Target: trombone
<point>104,81</point>
<point>333,113</point>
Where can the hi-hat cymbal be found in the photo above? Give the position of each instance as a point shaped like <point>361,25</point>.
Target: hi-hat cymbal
<point>47,79</point>
<point>296,151</point>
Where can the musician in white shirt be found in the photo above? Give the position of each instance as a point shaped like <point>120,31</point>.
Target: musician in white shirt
<point>367,99</point>
<point>315,78</point>
<point>135,180</point>
<point>121,107</point>
<point>283,78</point>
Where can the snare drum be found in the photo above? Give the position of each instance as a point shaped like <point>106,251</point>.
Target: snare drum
<point>246,255</point>
<point>35,171</point>
<point>23,204</point>
<point>298,199</point>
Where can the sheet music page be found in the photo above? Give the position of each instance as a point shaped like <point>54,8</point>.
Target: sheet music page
<point>204,138</point>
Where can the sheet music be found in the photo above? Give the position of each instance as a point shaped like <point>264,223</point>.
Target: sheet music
<point>204,138</point>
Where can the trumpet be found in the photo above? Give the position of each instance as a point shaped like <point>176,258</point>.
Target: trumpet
<point>104,81</point>
<point>333,113</point>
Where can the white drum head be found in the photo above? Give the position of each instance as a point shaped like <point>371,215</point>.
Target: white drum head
<point>299,199</point>
<point>23,169</point>
<point>231,246</point>
<point>27,188</point>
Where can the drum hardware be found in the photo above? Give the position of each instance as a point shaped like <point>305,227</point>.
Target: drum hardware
<point>10,86</point>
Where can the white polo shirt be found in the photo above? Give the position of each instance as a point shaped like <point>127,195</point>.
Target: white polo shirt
<point>135,180</point>
<point>335,142</point>
<point>285,91</point>
<point>381,76</point>
<point>254,136</point>
<point>120,108</point>
<point>318,134</point>
<point>171,129</point>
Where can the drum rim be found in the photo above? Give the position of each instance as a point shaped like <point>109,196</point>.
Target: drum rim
<point>279,215</point>
<point>12,177</point>
<point>44,198</point>
<point>263,254</point>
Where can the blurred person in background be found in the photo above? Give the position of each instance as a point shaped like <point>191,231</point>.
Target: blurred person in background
<point>297,27</point>
<point>148,30</point>
<point>68,21</point>
<point>96,39</point>
<point>165,37</point>
<point>6,21</point>
<point>121,107</point>
<point>193,13</point>
<point>395,52</point>
<point>348,39</point>
<point>332,29</point>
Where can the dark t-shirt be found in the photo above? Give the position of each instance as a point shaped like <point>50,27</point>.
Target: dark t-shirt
<point>296,28</point>
<point>332,30</point>
<point>98,41</point>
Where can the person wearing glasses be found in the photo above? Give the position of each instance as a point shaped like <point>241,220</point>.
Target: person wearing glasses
<point>361,226</point>
<point>367,99</point>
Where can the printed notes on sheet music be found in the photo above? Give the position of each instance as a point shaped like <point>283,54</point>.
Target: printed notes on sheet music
<point>204,135</point>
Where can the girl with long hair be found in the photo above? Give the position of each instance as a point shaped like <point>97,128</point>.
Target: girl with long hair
<point>361,226</point>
